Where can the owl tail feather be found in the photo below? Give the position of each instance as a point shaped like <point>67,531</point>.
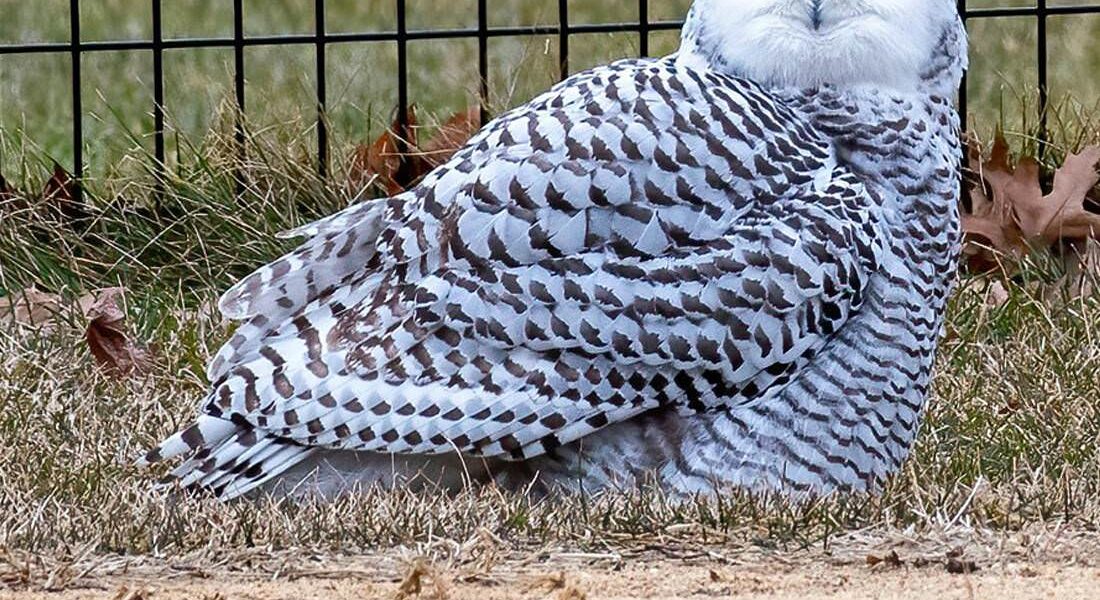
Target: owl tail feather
<point>262,471</point>
<point>228,460</point>
<point>205,432</point>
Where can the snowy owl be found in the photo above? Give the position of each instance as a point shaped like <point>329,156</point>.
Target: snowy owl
<point>724,268</point>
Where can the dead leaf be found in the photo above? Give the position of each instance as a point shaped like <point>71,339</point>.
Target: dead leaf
<point>138,593</point>
<point>451,137</point>
<point>989,229</point>
<point>7,192</point>
<point>382,161</point>
<point>30,307</point>
<point>108,339</point>
<point>60,196</point>
<point>891,560</point>
<point>1061,214</point>
<point>1009,215</point>
<point>384,164</point>
<point>413,584</point>
<point>960,566</point>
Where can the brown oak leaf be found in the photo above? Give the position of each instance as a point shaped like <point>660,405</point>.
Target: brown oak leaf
<point>30,307</point>
<point>385,165</point>
<point>11,200</point>
<point>1061,214</point>
<point>452,136</point>
<point>108,339</point>
<point>7,192</point>
<point>1009,214</point>
<point>60,196</point>
<point>383,162</point>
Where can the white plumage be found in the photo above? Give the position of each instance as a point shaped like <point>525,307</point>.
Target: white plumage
<point>724,267</point>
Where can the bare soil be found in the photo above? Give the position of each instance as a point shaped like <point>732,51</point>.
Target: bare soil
<point>1040,563</point>
<point>649,580</point>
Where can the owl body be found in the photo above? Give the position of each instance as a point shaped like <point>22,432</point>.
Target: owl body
<point>657,271</point>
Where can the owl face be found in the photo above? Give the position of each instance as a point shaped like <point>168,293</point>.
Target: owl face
<point>808,43</point>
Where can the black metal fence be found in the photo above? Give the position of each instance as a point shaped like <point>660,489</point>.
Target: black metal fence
<point>402,36</point>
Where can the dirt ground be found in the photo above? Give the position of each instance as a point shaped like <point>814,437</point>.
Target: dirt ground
<point>1034,563</point>
<point>653,580</point>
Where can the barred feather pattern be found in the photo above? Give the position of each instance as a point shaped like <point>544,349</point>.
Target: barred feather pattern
<point>648,271</point>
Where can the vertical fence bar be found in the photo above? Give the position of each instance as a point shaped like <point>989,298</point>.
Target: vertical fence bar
<point>238,53</point>
<point>483,57</point>
<point>1042,64</point>
<point>322,92</point>
<point>238,86</point>
<point>78,105</point>
<point>643,28</point>
<point>563,37</point>
<point>963,86</point>
<point>402,65</point>
<point>403,125</point>
<point>158,99</point>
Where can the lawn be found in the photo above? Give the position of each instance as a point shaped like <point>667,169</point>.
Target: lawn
<point>1007,468</point>
<point>35,104</point>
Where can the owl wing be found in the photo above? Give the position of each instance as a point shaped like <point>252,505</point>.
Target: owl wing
<point>643,235</point>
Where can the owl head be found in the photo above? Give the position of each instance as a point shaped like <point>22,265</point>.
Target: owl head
<point>902,45</point>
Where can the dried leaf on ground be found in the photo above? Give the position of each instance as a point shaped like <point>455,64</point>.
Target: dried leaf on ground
<point>988,227</point>
<point>30,307</point>
<point>11,199</point>
<point>7,192</point>
<point>890,560</point>
<point>1061,214</point>
<point>413,585</point>
<point>60,196</point>
<point>397,160</point>
<point>960,566</point>
<point>1010,215</point>
<point>381,161</point>
<point>106,333</point>
<point>108,339</point>
<point>451,137</point>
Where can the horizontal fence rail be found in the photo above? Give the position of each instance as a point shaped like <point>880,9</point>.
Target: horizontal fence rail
<point>321,39</point>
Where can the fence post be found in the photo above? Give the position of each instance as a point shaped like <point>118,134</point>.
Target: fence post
<point>563,38</point>
<point>322,92</point>
<point>158,100</point>
<point>1042,65</point>
<point>403,125</point>
<point>643,28</point>
<point>238,85</point>
<point>963,85</point>
<point>78,106</point>
<point>483,57</point>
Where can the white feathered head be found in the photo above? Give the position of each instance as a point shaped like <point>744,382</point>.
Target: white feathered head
<point>904,45</point>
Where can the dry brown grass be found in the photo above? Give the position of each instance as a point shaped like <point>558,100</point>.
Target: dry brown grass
<point>1010,442</point>
<point>1008,462</point>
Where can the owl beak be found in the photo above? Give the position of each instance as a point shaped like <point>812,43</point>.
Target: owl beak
<point>815,14</point>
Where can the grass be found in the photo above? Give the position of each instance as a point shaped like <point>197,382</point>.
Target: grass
<point>1010,441</point>
<point>362,76</point>
<point>1011,438</point>
<point>117,90</point>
